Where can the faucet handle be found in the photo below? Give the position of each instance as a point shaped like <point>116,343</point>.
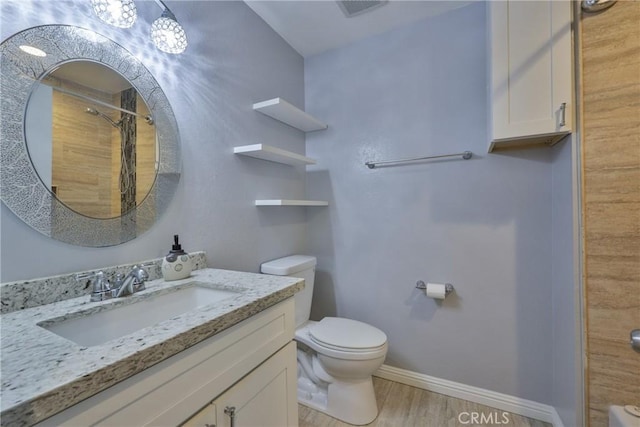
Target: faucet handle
<point>141,275</point>
<point>98,278</point>
<point>139,271</point>
<point>101,286</point>
<point>102,283</point>
<point>118,279</point>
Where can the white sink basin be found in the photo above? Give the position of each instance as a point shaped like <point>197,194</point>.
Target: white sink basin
<point>99,327</point>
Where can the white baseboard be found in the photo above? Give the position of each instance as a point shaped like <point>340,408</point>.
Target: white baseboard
<point>504,402</point>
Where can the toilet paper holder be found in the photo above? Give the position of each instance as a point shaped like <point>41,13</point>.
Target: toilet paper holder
<point>448,287</point>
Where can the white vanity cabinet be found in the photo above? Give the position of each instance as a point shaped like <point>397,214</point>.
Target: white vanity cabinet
<point>530,72</point>
<point>250,367</point>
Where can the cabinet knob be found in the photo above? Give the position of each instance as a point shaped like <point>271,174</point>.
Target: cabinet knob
<point>231,411</point>
<point>563,114</point>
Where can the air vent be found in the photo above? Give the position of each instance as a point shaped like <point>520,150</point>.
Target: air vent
<point>352,8</point>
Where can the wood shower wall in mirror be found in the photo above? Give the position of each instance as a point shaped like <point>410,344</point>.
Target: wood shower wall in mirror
<point>87,151</point>
<point>610,49</point>
<point>82,158</point>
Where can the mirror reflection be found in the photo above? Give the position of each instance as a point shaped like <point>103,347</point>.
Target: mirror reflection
<point>91,139</point>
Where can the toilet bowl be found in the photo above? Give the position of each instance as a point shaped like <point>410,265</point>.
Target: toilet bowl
<point>336,356</point>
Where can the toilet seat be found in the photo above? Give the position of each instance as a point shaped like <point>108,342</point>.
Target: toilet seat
<point>347,335</point>
<point>347,349</point>
<point>367,343</point>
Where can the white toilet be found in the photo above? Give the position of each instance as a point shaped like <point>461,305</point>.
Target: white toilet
<point>336,356</point>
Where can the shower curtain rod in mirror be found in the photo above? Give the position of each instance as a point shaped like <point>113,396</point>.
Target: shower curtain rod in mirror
<point>96,101</point>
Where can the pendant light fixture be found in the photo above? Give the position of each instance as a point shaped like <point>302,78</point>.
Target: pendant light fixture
<point>119,13</point>
<point>166,33</point>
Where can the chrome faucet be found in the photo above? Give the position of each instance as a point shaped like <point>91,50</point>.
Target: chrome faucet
<point>132,282</point>
<point>124,284</point>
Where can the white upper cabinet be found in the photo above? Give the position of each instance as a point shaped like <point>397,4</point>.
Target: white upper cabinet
<point>530,72</point>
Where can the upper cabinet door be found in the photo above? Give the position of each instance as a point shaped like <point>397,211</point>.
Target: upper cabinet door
<point>531,78</point>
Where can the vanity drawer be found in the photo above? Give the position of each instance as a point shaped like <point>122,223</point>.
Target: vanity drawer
<point>179,386</point>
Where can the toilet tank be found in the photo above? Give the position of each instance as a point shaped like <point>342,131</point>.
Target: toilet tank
<point>300,266</point>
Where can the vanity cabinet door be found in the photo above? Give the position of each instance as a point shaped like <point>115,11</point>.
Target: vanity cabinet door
<point>267,397</point>
<point>530,72</point>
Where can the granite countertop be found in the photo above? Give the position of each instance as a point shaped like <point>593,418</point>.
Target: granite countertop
<point>43,373</point>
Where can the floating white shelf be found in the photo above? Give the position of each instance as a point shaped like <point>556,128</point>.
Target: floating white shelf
<point>281,110</point>
<point>284,202</point>
<point>273,154</point>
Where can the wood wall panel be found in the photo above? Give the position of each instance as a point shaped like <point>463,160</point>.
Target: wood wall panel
<point>82,158</point>
<point>610,50</point>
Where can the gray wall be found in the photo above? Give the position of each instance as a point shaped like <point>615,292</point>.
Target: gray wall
<point>565,390</point>
<point>233,60</point>
<point>483,224</point>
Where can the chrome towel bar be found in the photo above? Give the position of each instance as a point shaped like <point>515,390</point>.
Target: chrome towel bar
<point>466,155</point>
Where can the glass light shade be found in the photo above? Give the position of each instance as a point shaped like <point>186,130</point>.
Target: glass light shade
<point>168,35</point>
<point>119,13</point>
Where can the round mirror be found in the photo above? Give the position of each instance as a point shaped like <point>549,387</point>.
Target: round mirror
<point>89,147</point>
<point>91,139</point>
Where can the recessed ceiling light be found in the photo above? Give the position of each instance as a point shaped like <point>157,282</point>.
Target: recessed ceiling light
<point>32,50</point>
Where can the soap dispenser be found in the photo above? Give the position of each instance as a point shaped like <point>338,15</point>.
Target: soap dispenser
<point>177,264</point>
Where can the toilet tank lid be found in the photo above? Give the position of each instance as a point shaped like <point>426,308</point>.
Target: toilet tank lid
<point>288,265</point>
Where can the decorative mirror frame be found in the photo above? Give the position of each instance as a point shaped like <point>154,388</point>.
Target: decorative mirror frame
<point>21,188</point>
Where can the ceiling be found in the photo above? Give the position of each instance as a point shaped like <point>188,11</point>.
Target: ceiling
<point>311,26</point>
